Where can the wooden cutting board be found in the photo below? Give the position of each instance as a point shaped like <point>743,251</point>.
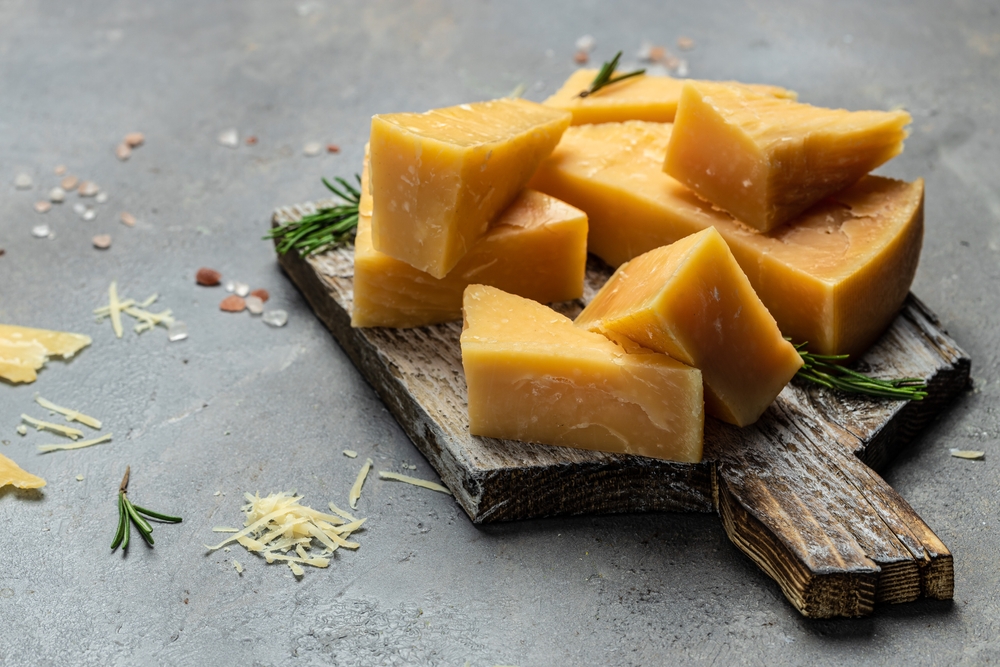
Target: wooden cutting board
<point>797,492</point>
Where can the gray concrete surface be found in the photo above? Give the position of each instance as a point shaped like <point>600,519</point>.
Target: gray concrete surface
<point>243,407</point>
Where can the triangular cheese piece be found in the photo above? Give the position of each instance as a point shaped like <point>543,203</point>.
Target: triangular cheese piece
<point>24,350</point>
<point>11,473</point>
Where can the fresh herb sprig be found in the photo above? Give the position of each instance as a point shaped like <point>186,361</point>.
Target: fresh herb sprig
<point>605,77</point>
<point>129,513</point>
<point>326,228</point>
<point>820,369</point>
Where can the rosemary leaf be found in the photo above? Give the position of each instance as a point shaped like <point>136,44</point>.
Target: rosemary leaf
<point>120,533</point>
<point>820,369</point>
<point>605,77</point>
<point>326,228</point>
<point>157,515</point>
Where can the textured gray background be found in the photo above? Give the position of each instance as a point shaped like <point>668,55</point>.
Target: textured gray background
<point>242,407</point>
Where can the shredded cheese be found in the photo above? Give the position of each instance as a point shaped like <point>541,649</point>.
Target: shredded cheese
<point>350,453</point>
<point>278,524</point>
<point>413,480</point>
<point>117,306</point>
<point>114,308</point>
<point>223,529</point>
<point>76,445</point>
<point>358,483</point>
<point>71,415</point>
<point>68,431</point>
<point>239,568</point>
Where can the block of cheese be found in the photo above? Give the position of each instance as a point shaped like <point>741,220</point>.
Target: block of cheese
<point>23,350</point>
<point>643,97</point>
<point>537,249</point>
<point>764,159</point>
<point>835,277</point>
<point>534,376</point>
<point>439,178</point>
<point>11,473</point>
<point>692,301</point>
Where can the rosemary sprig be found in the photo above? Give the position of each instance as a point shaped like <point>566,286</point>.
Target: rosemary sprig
<point>819,370</point>
<point>326,228</point>
<point>606,77</point>
<point>129,514</point>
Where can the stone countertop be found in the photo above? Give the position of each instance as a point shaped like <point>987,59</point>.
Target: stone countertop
<point>240,406</point>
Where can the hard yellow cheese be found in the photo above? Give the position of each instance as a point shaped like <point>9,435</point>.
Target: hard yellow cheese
<point>534,376</point>
<point>11,473</point>
<point>24,350</point>
<point>835,276</point>
<point>764,159</point>
<point>692,301</point>
<point>537,248</point>
<point>439,178</point>
<point>652,98</point>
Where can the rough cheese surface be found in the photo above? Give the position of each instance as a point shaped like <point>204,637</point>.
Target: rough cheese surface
<point>24,350</point>
<point>765,159</point>
<point>534,376</point>
<point>439,178</point>
<point>652,98</point>
<point>11,473</point>
<point>692,301</point>
<point>835,276</point>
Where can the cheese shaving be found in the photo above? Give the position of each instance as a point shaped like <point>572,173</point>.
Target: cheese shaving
<point>223,529</point>
<point>350,453</point>
<point>114,309</point>
<point>413,480</point>
<point>68,431</point>
<point>970,454</point>
<point>76,445</point>
<point>340,512</point>
<point>239,568</point>
<point>355,494</point>
<point>278,524</point>
<point>71,415</point>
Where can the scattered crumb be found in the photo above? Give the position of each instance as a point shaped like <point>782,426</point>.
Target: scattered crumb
<point>332,148</point>
<point>128,219</point>
<point>88,189</point>
<point>970,454</point>
<point>226,549</point>
<point>349,453</point>
<point>685,43</point>
<point>69,183</point>
<point>239,568</point>
<point>207,277</point>
<point>581,57</point>
<point>57,195</point>
<point>89,214</point>
<point>23,182</point>
<point>251,140</point>
<point>102,241</point>
<point>217,493</point>
<point>233,304</point>
<point>79,478</point>
<point>22,429</point>
<point>123,152</point>
<point>261,294</point>
<point>586,43</point>
<point>312,149</point>
<point>43,206</point>
<point>241,289</point>
<point>135,139</point>
<point>41,232</point>
<point>229,138</point>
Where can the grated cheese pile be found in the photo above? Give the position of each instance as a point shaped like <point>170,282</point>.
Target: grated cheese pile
<point>116,306</point>
<point>279,524</point>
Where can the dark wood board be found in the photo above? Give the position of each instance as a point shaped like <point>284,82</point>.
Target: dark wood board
<point>797,492</point>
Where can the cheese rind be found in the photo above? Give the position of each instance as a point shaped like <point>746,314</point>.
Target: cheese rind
<point>11,473</point>
<point>534,376</point>
<point>692,301</point>
<point>652,98</point>
<point>835,276</point>
<point>764,159</point>
<point>439,178</point>
<point>24,350</point>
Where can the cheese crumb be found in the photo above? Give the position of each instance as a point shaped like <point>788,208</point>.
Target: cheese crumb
<point>350,453</point>
<point>79,478</point>
<point>22,429</point>
<point>75,445</point>
<point>413,480</point>
<point>117,306</point>
<point>358,483</point>
<point>239,568</point>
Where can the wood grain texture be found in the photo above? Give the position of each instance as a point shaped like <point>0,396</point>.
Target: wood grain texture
<point>797,491</point>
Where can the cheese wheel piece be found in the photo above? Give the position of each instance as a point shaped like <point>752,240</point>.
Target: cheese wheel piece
<point>764,159</point>
<point>439,178</point>
<point>24,350</point>
<point>835,276</point>
<point>692,301</point>
<point>11,473</point>
<point>534,376</point>
<point>643,97</point>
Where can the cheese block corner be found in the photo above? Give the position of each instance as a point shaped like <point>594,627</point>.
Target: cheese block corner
<point>766,159</point>
<point>439,178</point>
<point>534,376</point>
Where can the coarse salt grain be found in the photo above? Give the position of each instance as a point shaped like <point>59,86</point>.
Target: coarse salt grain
<point>88,189</point>
<point>312,149</point>
<point>233,304</point>
<point>229,138</point>
<point>101,198</point>
<point>69,183</point>
<point>177,331</point>
<point>43,206</point>
<point>23,182</point>
<point>261,294</point>
<point>134,139</point>
<point>332,148</point>
<point>40,231</point>
<point>102,241</point>
<point>207,277</point>
<point>89,214</point>
<point>128,219</point>
<point>580,57</point>
<point>254,305</point>
<point>123,152</point>
<point>60,170</point>
<point>57,195</point>
<point>251,140</point>
<point>241,289</point>
<point>275,318</point>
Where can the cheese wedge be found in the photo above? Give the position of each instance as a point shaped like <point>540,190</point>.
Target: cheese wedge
<point>11,473</point>
<point>652,98</point>
<point>23,350</point>
<point>764,159</point>
<point>439,178</point>
<point>835,276</point>
<point>534,376</point>
<point>692,301</point>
